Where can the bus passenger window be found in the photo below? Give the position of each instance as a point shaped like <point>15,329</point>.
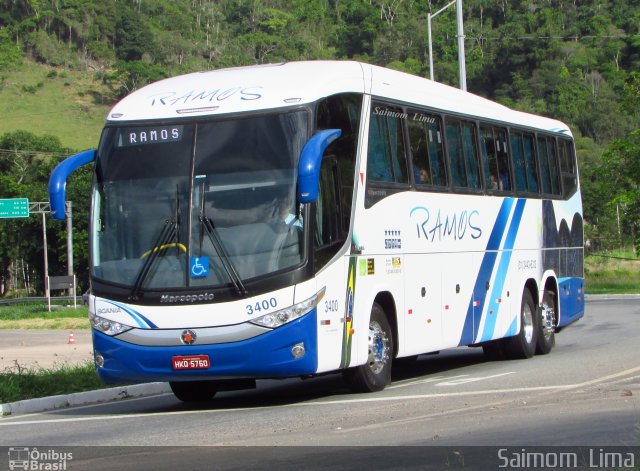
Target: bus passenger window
<point>495,158</point>
<point>524,161</point>
<point>518,161</point>
<point>548,165</point>
<point>426,149</point>
<point>504,168</point>
<point>553,167</point>
<point>530,164</point>
<point>471,155</point>
<point>461,145</point>
<point>456,157</point>
<point>568,168</point>
<point>386,161</point>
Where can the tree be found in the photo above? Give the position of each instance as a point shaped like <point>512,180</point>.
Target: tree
<point>26,161</point>
<point>621,170</point>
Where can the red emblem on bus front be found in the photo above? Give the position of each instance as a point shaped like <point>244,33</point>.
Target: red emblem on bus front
<point>188,337</point>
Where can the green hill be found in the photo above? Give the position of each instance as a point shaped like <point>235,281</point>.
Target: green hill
<point>46,100</point>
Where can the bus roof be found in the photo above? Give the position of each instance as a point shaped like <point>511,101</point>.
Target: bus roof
<point>263,87</point>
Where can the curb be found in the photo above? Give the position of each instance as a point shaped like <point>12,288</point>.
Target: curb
<point>43,404</point>
<point>611,297</point>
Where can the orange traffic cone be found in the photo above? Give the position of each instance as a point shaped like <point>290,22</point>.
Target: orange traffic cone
<point>71,339</point>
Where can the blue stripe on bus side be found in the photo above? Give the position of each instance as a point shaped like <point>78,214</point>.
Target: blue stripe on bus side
<point>486,268</point>
<point>141,320</point>
<point>501,275</point>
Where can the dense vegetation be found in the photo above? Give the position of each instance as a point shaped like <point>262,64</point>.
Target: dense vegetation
<point>575,61</point>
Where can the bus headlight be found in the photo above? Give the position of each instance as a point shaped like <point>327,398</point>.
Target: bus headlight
<point>108,327</point>
<point>291,313</point>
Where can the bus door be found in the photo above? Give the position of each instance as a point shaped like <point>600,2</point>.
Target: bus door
<point>459,271</point>
<point>423,303</point>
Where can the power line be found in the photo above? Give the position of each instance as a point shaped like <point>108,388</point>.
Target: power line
<point>614,257</point>
<point>32,152</point>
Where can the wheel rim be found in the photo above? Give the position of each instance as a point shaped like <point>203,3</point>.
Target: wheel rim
<point>527,323</point>
<point>548,320</point>
<point>378,348</point>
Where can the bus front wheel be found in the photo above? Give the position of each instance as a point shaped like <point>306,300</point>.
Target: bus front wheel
<point>194,391</point>
<point>375,374</point>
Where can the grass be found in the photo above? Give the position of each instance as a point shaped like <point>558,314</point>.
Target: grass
<point>612,273</point>
<point>36,316</point>
<point>19,383</point>
<point>43,100</point>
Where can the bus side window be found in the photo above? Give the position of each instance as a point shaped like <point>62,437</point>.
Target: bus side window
<point>504,169</point>
<point>495,158</point>
<point>462,148</point>
<point>343,112</point>
<point>530,164</point>
<point>386,160</point>
<point>548,159</point>
<point>556,186</point>
<point>568,168</point>
<point>518,161</point>
<point>524,161</point>
<point>327,210</point>
<point>427,151</point>
<point>456,157</point>
<point>337,173</point>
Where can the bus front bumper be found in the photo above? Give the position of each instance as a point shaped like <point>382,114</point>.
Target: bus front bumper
<point>266,356</point>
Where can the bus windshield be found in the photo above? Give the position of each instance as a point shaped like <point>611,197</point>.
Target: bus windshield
<point>203,204</point>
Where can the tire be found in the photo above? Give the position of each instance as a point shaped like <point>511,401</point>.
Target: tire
<point>493,350</point>
<point>194,391</point>
<point>547,324</point>
<point>523,345</point>
<point>375,374</point>
<point>406,361</point>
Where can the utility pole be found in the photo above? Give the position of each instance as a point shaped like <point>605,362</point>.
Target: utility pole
<point>69,246</point>
<point>461,54</point>
<point>44,208</point>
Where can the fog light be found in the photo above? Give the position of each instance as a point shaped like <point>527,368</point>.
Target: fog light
<point>298,350</point>
<point>99,359</point>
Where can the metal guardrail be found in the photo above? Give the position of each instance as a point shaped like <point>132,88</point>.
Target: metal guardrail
<point>35,299</point>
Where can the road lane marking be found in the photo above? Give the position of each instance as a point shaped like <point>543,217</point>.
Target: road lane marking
<point>472,379</point>
<point>7,422</point>
<point>412,382</point>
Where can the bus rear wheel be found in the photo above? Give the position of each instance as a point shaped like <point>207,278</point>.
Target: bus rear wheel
<point>375,374</point>
<point>194,391</point>
<point>548,323</point>
<point>523,345</point>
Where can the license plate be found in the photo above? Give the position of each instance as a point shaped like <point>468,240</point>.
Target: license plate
<point>191,362</point>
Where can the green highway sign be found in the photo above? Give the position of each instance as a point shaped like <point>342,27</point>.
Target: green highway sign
<point>14,208</point>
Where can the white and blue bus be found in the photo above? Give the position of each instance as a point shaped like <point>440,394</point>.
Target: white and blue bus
<point>295,219</point>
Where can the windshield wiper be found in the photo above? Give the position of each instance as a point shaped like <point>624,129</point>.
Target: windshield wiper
<point>167,236</point>
<point>227,264</point>
<point>224,256</point>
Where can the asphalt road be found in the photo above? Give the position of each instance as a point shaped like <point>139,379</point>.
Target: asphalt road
<point>44,348</point>
<point>586,393</point>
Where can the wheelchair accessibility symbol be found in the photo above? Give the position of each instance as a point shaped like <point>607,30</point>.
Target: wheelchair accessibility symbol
<point>199,267</point>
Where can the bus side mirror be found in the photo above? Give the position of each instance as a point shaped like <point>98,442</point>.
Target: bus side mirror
<point>310,162</point>
<point>58,181</point>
